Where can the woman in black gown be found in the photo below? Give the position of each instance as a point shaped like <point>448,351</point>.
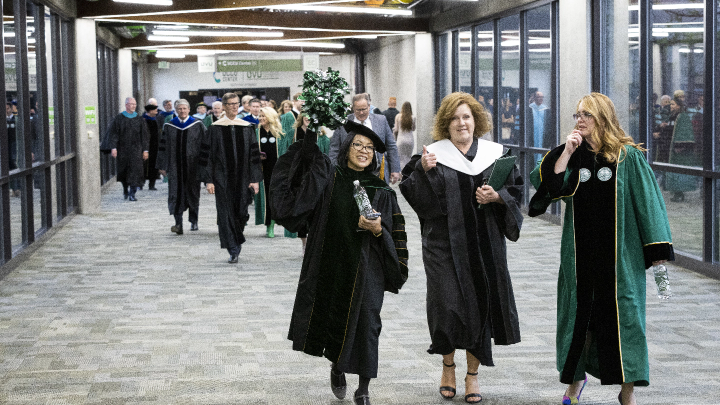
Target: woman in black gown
<point>350,260</point>
<point>469,293</point>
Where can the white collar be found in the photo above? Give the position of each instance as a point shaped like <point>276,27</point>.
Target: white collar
<point>449,155</point>
<point>227,121</point>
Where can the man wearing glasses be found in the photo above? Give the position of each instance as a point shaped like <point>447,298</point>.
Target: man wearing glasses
<point>231,159</point>
<point>389,162</point>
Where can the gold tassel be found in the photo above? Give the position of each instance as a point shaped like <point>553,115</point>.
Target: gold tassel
<point>382,169</point>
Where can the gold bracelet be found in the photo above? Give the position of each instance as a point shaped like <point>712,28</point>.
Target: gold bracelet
<point>379,234</point>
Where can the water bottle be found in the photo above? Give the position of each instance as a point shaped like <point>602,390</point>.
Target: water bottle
<point>363,202</point>
<point>663,283</point>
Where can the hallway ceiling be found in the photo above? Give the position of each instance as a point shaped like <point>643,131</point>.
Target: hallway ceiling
<point>208,27</point>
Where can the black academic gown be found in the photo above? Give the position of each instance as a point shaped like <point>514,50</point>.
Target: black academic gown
<point>231,160</point>
<point>469,293</point>
<point>179,155</point>
<point>344,272</point>
<point>154,129</point>
<point>131,138</point>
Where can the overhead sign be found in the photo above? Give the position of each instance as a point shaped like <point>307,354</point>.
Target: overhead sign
<point>311,62</point>
<point>206,64</point>
<point>259,65</point>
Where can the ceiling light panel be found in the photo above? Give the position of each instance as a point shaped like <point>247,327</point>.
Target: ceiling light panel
<point>197,33</point>
<point>344,9</point>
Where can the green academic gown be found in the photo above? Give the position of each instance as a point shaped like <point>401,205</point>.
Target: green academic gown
<point>615,227</point>
<point>282,145</point>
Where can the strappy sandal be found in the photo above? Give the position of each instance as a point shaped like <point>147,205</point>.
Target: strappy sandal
<point>473,395</point>
<point>448,388</point>
<point>338,384</point>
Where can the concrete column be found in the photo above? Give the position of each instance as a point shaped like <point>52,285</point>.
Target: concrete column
<point>424,108</point>
<point>125,88</point>
<point>88,144</point>
<point>575,60</point>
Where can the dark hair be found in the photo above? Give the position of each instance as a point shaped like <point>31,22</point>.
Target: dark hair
<point>342,157</point>
<point>255,100</point>
<point>229,96</point>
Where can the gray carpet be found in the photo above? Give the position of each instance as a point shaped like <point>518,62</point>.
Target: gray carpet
<point>115,309</point>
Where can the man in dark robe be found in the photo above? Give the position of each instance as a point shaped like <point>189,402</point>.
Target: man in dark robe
<point>154,129</point>
<point>254,113</point>
<point>231,158</point>
<point>127,139</point>
<point>178,158</point>
<point>345,272</point>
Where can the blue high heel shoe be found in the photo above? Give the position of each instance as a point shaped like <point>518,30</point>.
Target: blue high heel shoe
<point>574,400</point>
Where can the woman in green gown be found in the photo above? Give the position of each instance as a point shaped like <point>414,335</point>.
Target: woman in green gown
<point>615,227</point>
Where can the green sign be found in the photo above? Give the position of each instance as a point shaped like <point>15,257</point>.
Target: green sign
<point>259,65</point>
<point>90,115</point>
<point>51,115</point>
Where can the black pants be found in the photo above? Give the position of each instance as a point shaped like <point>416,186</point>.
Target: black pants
<point>192,216</point>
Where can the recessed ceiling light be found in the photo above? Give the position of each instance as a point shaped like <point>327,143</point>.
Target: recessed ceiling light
<point>305,44</point>
<point>169,55</point>
<point>342,9</point>
<point>168,38</point>
<point>272,34</point>
<point>147,2</point>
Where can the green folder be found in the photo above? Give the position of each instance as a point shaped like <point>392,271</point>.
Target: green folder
<point>503,166</point>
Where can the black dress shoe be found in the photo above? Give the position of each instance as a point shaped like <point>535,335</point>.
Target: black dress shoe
<point>233,258</point>
<point>193,226</point>
<point>177,229</point>
<point>338,384</point>
<point>125,196</point>
<point>152,189</point>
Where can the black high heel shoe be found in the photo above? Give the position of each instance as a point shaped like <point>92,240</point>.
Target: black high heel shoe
<point>448,388</point>
<point>472,395</point>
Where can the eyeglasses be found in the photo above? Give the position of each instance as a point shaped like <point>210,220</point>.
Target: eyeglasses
<point>584,115</point>
<point>360,110</point>
<point>232,104</point>
<point>359,147</point>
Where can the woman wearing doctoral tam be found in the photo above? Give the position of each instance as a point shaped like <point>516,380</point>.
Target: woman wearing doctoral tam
<point>615,227</point>
<point>469,293</point>
<point>350,260</point>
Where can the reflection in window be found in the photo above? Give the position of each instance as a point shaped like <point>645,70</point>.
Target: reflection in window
<point>685,214</point>
<point>539,123</point>
<point>510,73</point>
<point>445,66</point>
<point>484,76</point>
<point>678,69</point>
<point>464,61</point>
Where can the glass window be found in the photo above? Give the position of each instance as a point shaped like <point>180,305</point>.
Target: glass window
<point>678,69</point>
<point>510,72</point>
<point>66,34</point>
<point>484,73</point>
<point>685,211</point>
<point>465,61</point>
<point>539,123</point>
<point>35,130</point>
<point>16,216</point>
<point>50,56</point>
<point>14,135</point>
<point>444,66</point>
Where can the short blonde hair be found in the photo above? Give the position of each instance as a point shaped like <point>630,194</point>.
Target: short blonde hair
<point>451,102</point>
